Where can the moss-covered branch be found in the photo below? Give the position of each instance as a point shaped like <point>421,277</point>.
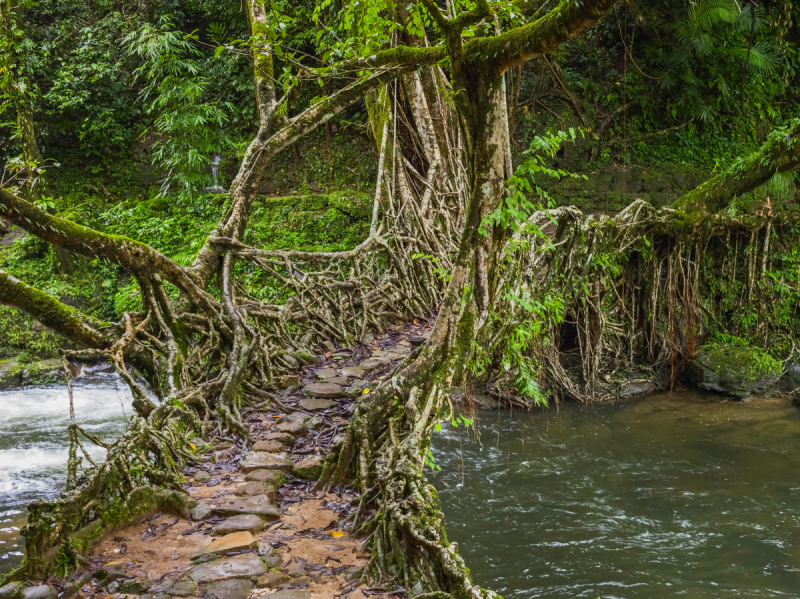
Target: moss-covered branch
<point>780,153</point>
<point>139,258</point>
<point>521,44</point>
<point>64,320</point>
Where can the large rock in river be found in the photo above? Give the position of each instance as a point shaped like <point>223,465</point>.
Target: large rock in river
<point>737,370</point>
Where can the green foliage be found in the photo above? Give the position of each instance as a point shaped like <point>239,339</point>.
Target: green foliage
<point>518,206</point>
<point>190,126</point>
<point>762,364</point>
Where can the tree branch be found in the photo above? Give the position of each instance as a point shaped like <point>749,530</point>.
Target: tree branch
<point>139,258</point>
<point>568,20</point>
<point>64,320</point>
<point>780,153</point>
<point>261,151</point>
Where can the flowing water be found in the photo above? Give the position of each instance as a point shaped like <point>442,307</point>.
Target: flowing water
<point>674,495</point>
<point>34,445</point>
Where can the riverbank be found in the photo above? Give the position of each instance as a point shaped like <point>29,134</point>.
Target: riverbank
<point>255,524</point>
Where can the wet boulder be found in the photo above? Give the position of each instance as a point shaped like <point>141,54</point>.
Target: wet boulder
<point>12,590</point>
<point>736,370</point>
<point>790,381</point>
<point>41,591</point>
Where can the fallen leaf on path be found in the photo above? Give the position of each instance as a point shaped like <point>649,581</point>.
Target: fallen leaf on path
<point>336,534</point>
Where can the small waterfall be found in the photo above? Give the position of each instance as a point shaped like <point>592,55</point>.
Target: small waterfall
<point>216,188</point>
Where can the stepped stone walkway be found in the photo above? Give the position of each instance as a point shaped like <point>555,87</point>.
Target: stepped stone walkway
<point>256,525</point>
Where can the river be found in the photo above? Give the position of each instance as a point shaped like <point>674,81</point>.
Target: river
<point>671,495</point>
<point>34,445</point>
<point>668,496</point>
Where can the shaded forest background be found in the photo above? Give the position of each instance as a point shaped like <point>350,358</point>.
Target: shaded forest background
<point>662,94</point>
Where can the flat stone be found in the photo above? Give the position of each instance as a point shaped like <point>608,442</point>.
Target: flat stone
<point>417,341</point>
<point>162,588</point>
<point>258,460</point>
<point>358,384</point>
<point>235,541</point>
<point>243,522</point>
<point>276,477</point>
<point>229,589</point>
<point>315,403</point>
<point>302,580</point>
<point>371,364</point>
<point>337,380</point>
<point>354,371</point>
<point>325,373</point>
<point>328,345</point>
<point>253,488</point>
<point>134,586</point>
<point>401,348</point>
<point>238,566</point>
<point>297,417</point>
<point>316,422</point>
<point>268,446</point>
<point>259,505</point>
<point>284,438</point>
<point>310,467</point>
<point>271,580</point>
<point>290,594</point>
<point>40,592</point>
<point>200,512</point>
<point>273,561</point>
<point>183,588</point>
<point>288,426</point>
<point>201,476</point>
<point>324,390</point>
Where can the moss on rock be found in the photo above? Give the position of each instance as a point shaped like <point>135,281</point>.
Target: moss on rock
<point>737,370</point>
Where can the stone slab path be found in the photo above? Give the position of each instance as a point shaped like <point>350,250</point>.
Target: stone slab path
<point>257,527</point>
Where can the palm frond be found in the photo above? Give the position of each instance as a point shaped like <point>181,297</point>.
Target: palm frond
<point>744,21</point>
<point>703,44</point>
<point>705,14</point>
<point>761,59</point>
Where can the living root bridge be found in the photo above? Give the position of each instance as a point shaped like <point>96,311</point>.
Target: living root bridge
<point>645,288</point>
<point>210,359</point>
